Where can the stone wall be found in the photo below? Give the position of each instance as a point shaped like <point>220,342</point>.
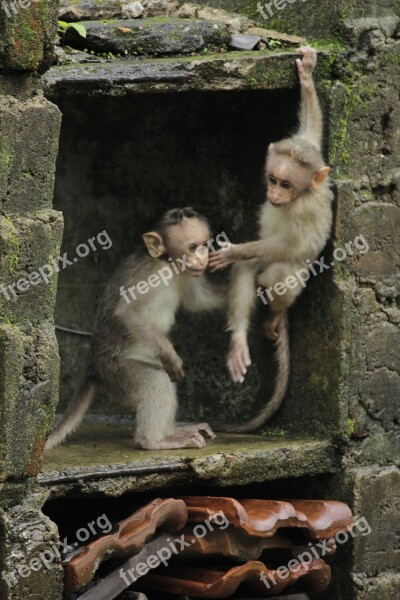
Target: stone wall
<point>361,299</point>
<point>30,235</point>
<point>365,149</point>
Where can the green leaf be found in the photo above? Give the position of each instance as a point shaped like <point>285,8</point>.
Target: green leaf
<point>79,28</point>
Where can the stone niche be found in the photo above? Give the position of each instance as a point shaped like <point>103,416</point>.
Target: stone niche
<point>122,162</point>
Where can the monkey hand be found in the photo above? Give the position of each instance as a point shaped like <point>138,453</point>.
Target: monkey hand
<point>306,66</point>
<point>238,359</point>
<point>223,258</point>
<point>173,365</point>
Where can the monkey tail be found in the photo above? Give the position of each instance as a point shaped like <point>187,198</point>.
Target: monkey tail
<point>74,413</point>
<point>282,356</point>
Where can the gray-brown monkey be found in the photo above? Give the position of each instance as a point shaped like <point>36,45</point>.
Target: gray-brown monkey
<point>131,359</point>
<point>295,224</point>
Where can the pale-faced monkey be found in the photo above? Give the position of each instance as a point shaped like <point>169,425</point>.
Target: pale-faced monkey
<point>132,360</point>
<point>295,224</point>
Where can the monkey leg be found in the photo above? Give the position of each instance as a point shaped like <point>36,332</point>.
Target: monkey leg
<point>281,288</point>
<point>154,396</point>
<point>241,302</point>
<point>272,325</point>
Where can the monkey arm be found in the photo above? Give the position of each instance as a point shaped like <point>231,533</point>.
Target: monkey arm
<point>201,295</point>
<point>267,250</point>
<point>142,332</point>
<point>311,123</point>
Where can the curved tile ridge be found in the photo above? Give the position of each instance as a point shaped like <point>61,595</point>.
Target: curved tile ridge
<point>324,518</point>
<point>262,518</point>
<point>237,545</point>
<point>212,583</point>
<point>126,539</point>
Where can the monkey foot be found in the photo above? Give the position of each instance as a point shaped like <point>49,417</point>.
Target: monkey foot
<point>179,439</point>
<point>195,428</point>
<point>271,326</point>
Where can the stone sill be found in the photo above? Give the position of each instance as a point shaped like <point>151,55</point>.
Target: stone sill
<point>269,70</point>
<point>101,458</point>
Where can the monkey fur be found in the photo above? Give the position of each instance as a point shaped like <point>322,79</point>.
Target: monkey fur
<point>295,224</point>
<point>131,359</point>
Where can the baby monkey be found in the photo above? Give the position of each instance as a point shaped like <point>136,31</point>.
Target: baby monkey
<point>295,224</point>
<point>131,359</point>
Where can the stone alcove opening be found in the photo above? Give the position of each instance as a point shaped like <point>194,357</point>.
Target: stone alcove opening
<point>89,516</point>
<point>123,161</point>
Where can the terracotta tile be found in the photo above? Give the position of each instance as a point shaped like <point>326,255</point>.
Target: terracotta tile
<point>237,545</point>
<point>212,583</point>
<point>322,519</point>
<point>127,538</point>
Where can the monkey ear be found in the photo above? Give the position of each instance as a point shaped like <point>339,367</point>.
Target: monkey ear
<point>319,177</point>
<point>154,244</point>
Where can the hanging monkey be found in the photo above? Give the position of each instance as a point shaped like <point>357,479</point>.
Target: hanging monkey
<point>295,224</point>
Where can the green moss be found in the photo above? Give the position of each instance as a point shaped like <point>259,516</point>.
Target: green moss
<point>5,160</point>
<point>9,324</point>
<point>27,33</point>
<point>339,154</point>
<point>357,94</point>
<point>350,427</point>
<point>14,244</point>
<point>43,4</point>
<point>328,44</point>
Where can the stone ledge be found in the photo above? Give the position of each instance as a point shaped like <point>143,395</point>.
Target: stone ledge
<point>214,72</point>
<point>101,452</point>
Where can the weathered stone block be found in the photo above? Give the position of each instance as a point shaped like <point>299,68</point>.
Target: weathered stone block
<point>383,343</point>
<point>356,30</point>
<point>78,10</point>
<point>381,448</point>
<point>379,378</point>
<point>29,132</point>
<point>379,223</point>
<point>29,250</point>
<point>29,371</point>
<point>27,31</point>
<point>321,19</point>
<point>365,117</point>
<point>377,498</point>
<point>88,10</point>
<point>385,587</point>
<point>22,87</point>
<point>380,396</point>
<point>30,565</point>
<point>150,36</point>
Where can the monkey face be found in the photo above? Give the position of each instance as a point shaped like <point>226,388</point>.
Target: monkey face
<point>286,179</point>
<point>188,239</point>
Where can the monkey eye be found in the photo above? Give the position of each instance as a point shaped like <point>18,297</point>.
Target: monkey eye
<point>286,185</point>
<point>272,180</point>
<point>192,248</point>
